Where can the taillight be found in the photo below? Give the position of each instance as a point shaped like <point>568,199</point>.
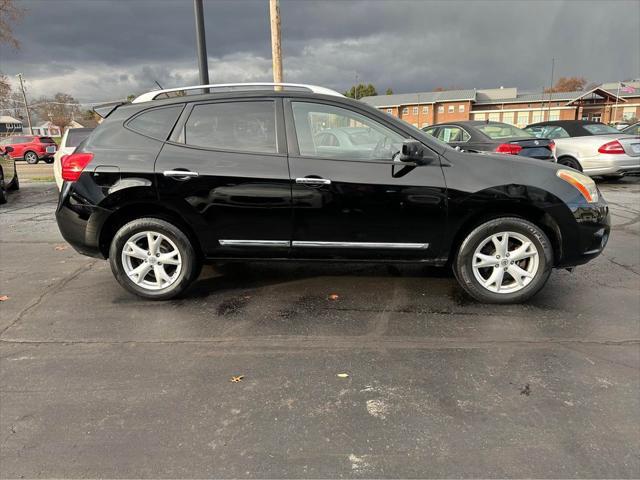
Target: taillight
<point>509,148</point>
<point>72,165</point>
<point>552,145</point>
<point>611,147</point>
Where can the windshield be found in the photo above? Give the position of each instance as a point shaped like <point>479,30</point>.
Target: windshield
<point>600,129</point>
<point>499,131</point>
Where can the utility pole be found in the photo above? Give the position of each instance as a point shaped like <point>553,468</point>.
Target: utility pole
<point>26,105</point>
<point>553,64</point>
<point>201,44</point>
<point>276,50</point>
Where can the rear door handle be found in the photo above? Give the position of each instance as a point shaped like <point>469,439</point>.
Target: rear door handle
<point>180,173</point>
<point>313,181</point>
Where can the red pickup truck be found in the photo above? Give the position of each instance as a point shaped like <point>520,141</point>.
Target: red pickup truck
<point>31,148</point>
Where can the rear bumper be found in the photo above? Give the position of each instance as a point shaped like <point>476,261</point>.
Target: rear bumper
<point>80,224</point>
<point>607,164</point>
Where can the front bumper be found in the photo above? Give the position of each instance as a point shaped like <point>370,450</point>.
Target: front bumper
<point>608,164</point>
<point>589,235</point>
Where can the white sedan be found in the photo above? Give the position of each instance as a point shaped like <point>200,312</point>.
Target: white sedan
<point>591,147</point>
<point>70,140</point>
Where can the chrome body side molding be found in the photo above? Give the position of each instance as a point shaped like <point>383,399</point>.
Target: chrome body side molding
<point>383,245</point>
<point>255,243</point>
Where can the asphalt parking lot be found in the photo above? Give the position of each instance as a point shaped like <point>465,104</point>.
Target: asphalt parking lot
<point>98,383</point>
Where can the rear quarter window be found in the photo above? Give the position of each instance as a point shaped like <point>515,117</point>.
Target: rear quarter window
<point>47,140</point>
<point>157,122</point>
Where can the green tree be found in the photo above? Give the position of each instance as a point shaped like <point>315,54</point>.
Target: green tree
<point>389,92</point>
<point>361,90</point>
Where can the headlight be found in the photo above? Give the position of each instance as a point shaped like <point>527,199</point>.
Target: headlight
<point>584,184</point>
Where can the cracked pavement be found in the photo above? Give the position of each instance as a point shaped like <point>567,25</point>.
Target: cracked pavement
<point>97,383</point>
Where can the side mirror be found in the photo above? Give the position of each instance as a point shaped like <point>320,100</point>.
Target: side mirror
<point>414,151</point>
<point>8,149</point>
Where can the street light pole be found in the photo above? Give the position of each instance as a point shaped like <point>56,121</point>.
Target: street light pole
<point>276,50</point>
<point>201,44</point>
<point>26,105</point>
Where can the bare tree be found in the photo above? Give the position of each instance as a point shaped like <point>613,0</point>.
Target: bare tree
<point>10,14</point>
<point>61,110</point>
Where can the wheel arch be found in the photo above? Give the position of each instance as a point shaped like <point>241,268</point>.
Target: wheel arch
<point>535,215</point>
<point>133,211</point>
<point>572,157</point>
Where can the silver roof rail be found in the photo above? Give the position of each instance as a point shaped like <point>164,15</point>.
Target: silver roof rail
<point>147,97</point>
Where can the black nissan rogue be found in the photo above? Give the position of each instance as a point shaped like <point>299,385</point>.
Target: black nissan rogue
<point>297,172</point>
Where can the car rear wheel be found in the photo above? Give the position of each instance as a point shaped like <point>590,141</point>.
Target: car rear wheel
<point>31,158</point>
<point>48,160</point>
<point>505,260</point>
<point>153,259</point>
<point>570,162</point>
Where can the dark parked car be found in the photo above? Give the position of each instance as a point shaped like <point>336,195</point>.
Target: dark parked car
<point>163,185</point>
<point>496,137</point>
<point>8,173</point>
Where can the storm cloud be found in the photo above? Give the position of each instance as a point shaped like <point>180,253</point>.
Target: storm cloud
<point>99,50</point>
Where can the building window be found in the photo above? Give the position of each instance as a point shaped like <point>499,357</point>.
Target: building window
<point>425,109</point>
<point>440,108</point>
<point>405,111</point>
<point>628,113</point>
<point>460,108</point>
<point>554,115</point>
<point>494,117</point>
<point>537,116</point>
<point>389,111</point>
<point>523,119</point>
<point>415,110</point>
<point>479,116</point>
<point>452,108</point>
<point>507,117</point>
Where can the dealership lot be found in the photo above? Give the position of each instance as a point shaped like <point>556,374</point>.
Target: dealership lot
<point>96,382</point>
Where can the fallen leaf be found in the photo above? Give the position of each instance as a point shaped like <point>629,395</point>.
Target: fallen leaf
<point>3,298</point>
<point>526,390</point>
<point>236,378</point>
<point>343,375</point>
<point>334,296</point>
<point>62,247</point>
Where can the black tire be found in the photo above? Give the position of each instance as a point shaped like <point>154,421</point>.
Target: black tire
<point>190,267</point>
<point>3,189</point>
<point>15,183</point>
<point>570,162</point>
<point>48,161</point>
<point>463,263</point>
<point>31,157</point>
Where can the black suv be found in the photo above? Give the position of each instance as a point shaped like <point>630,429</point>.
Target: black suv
<point>302,173</point>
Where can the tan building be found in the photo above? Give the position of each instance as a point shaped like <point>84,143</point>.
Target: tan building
<point>608,103</point>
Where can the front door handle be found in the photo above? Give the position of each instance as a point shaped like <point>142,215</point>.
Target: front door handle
<point>313,181</point>
<point>180,173</point>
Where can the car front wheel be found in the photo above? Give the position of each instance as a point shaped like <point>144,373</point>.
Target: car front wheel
<point>505,260</point>
<point>31,158</point>
<point>153,259</point>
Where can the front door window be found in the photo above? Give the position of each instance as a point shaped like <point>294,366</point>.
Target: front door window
<point>326,131</point>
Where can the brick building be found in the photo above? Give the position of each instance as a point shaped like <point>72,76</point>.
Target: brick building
<point>606,103</point>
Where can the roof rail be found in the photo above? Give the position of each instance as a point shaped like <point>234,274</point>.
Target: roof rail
<point>146,97</point>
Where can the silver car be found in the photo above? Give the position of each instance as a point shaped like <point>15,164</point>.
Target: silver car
<point>591,147</point>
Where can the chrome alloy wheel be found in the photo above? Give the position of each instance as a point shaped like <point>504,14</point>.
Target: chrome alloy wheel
<point>151,260</point>
<point>505,262</point>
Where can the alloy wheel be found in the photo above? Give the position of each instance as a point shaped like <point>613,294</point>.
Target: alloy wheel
<point>505,262</point>
<point>151,260</point>
<point>31,158</point>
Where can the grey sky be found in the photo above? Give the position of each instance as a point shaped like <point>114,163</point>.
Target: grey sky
<point>106,49</point>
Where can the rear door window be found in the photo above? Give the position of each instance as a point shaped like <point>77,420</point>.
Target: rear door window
<point>156,123</point>
<point>47,140</point>
<point>238,126</point>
